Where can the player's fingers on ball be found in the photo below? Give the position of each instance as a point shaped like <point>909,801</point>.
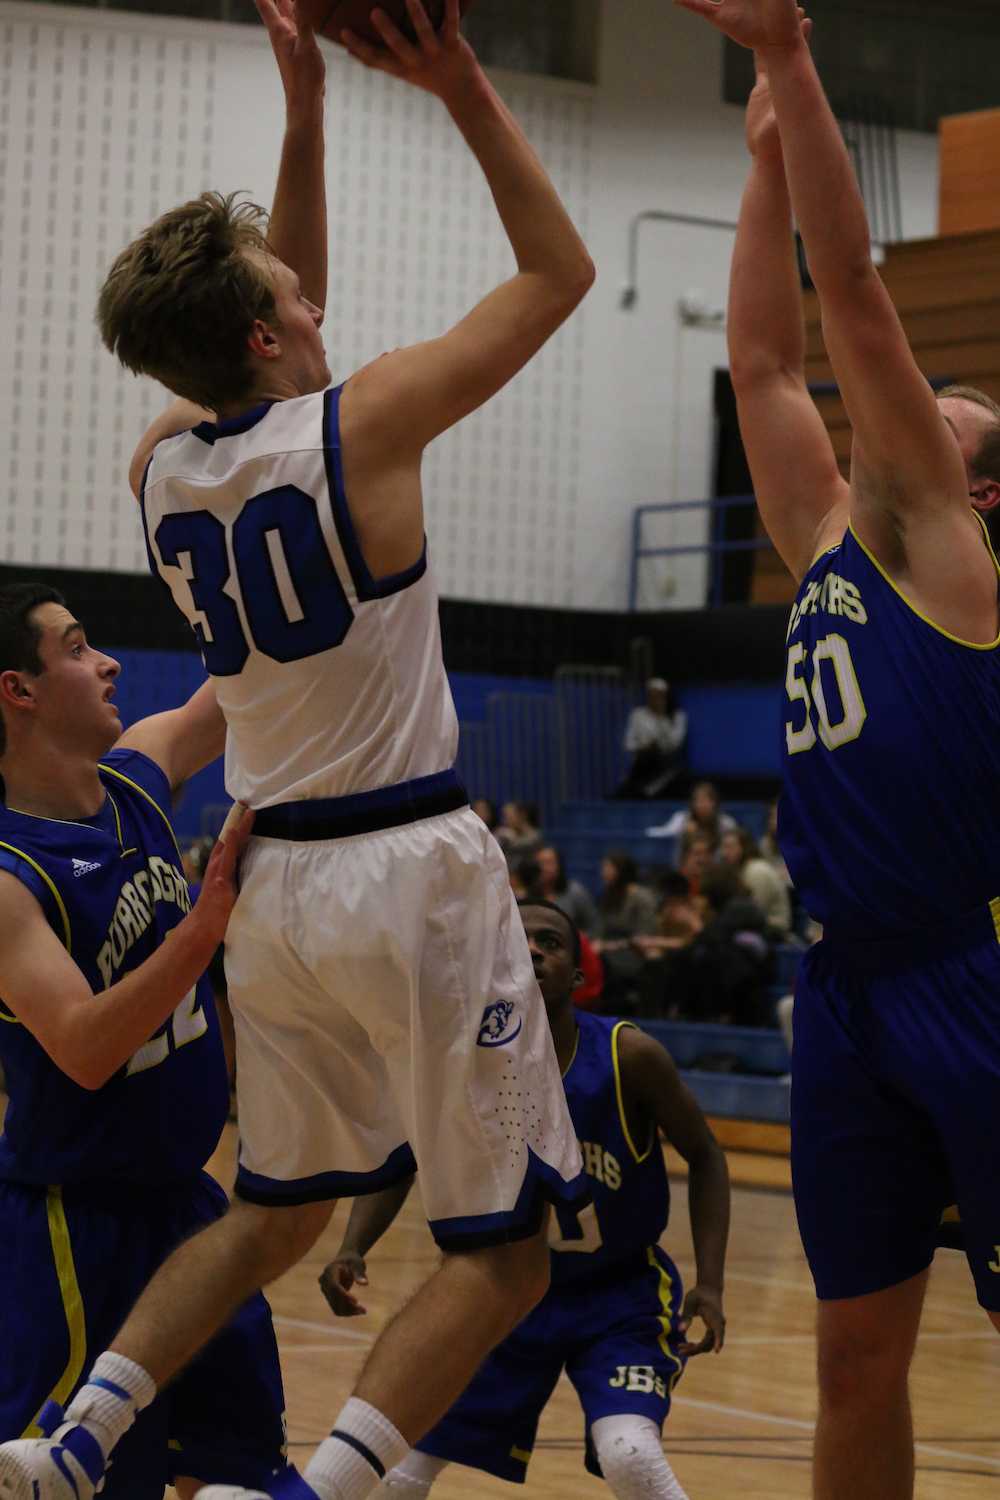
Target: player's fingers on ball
<point>452,23</point>
<point>364,51</point>
<point>394,39</point>
<point>426,34</point>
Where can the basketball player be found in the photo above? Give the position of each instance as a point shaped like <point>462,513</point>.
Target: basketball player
<point>381,985</point>
<point>892,739</point>
<point>613,1317</point>
<point>109,1038</point>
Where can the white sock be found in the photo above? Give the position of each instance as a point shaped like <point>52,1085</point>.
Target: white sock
<point>116,1390</point>
<point>359,1452</point>
<point>632,1459</point>
<point>412,1479</point>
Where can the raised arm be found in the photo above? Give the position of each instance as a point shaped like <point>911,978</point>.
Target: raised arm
<point>906,459</point>
<point>412,395</point>
<point>91,1036</point>
<point>297,232</point>
<point>182,741</point>
<point>802,497</point>
<point>652,1083</point>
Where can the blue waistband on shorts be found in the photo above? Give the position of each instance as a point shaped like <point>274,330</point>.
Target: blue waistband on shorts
<point>313,818</point>
<point>886,955</point>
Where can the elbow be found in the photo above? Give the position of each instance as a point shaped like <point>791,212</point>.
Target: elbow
<point>80,1065</point>
<point>577,282</point>
<point>752,370</point>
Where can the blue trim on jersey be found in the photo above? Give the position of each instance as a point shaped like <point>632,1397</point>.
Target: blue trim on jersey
<point>365,585</point>
<point>210,432</point>
<point>542,1183</point>
<point>274,1193</point>
<point>365,812</point>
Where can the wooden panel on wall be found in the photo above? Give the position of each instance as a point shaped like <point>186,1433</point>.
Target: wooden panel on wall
<point>970,172</point>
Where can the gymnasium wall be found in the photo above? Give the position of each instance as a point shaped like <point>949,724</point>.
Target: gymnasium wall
<point>108,118</point>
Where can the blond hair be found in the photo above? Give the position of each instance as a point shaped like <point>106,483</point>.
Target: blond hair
<point>986,463</point>
<point>180,301</point>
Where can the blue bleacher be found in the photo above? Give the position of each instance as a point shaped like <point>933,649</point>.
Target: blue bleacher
<point>760,1094</point>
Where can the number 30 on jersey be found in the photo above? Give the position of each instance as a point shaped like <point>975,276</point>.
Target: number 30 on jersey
<point>832,723</point>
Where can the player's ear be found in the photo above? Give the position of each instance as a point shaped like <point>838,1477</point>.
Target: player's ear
<point>578,979</point>
<point>15,690</point>
<point>263,341</point>
<point>987,497</point>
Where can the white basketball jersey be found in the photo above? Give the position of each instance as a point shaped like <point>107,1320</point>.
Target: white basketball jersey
<point>331,683</point>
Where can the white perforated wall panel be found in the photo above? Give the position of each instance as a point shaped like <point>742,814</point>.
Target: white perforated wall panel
<point>105,121</point>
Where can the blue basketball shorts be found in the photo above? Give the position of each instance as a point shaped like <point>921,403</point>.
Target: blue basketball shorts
<point>617,1338</point>
<point>72,1263</point>
<point>896,1106</point>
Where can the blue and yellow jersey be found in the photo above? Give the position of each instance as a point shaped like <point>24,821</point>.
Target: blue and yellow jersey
<point>111,888</point>
<point>891,748</point>
<point>626,1177</point>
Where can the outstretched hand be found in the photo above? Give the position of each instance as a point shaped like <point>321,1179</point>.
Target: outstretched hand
<point>758,24</point>
<point>439,61</point>
<point>296,51</point>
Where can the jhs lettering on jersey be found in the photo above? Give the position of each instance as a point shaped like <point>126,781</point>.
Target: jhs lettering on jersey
<point>627,1178</point>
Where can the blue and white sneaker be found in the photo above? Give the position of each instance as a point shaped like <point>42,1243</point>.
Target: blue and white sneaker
<point>65,1464</point>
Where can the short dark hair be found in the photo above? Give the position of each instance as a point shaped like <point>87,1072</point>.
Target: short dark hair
<point>20,636</point>
<point>574,931</point>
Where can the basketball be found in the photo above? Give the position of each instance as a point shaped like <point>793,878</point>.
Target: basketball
<point>331,17</point>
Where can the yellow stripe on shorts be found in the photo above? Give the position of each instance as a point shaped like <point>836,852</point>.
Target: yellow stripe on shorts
<point>72,1301</point>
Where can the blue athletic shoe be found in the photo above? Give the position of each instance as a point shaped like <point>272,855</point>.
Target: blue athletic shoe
<point>66,1464</point>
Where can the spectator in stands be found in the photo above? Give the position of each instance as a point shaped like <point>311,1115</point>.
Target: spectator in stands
<point>525,880</point>
<point>702,814</point>
<point>625,910</point>
<point>569,895</point>
<point>737,851</point>
<point>654,737</point>
<point>487,811</point>
<point>518,834</point>
<point>696,859</point>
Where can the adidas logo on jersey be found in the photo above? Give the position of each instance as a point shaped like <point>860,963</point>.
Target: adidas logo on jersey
<point>84,867</point>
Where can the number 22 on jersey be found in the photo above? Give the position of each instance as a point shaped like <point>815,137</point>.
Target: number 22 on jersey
<point>833,723</point>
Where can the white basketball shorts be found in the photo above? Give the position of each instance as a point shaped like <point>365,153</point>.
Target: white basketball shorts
<point>388,1017</point>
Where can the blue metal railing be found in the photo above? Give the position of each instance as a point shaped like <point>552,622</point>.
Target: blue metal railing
<point>716,547</point>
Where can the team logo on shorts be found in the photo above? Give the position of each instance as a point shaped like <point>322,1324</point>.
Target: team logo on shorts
<point>494,1028</point>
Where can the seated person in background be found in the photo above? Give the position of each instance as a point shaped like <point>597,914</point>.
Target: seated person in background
<point>695,860</point>
<point>518,834</point>
<point>738,851</point>
<point>654,736</point>
<point>525,880</point>
<point>569,895</point>
<point>710,965</point>
<point>702,815</point>
<point>625,909</point>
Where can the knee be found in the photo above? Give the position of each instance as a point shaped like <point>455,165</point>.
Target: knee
<point>632,1460</point>
<point>852,1374</point>
<point>275,1239</point>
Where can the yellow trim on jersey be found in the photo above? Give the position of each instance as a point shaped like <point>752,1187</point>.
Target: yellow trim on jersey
<point>957,639</point>
<point>623,1025</point>
<point>143,793</point>
<point>995,914</point>
<point>521,1454</point>
<point>72,1301</point>
<point>666,1291</point>
<point>576,1048</point>
<point>52,887</point>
